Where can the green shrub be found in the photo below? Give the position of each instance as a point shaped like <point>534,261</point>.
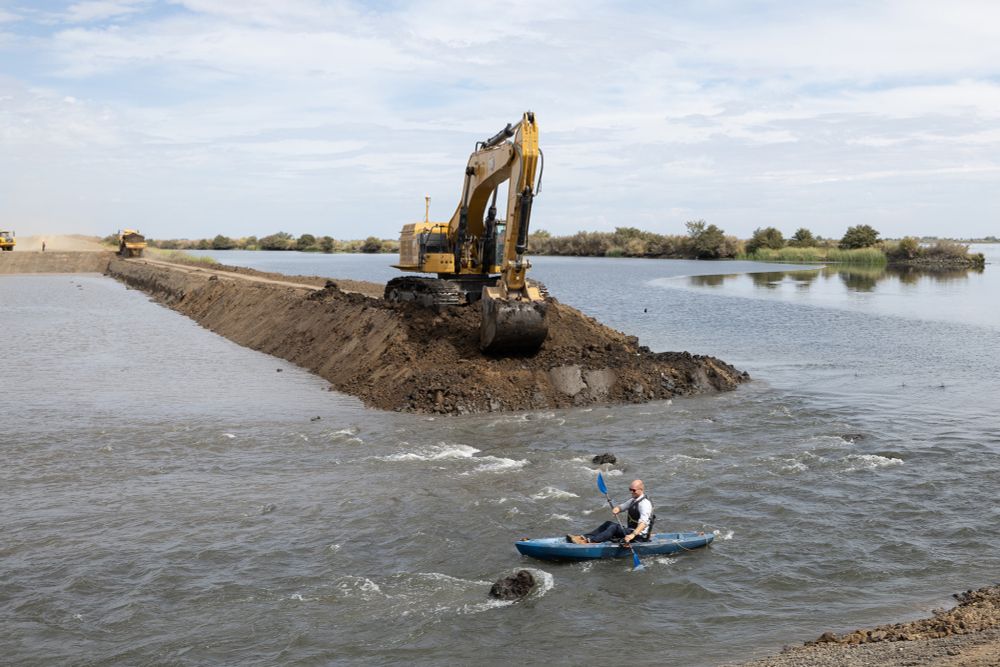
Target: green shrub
<point>859,236</point>
<point>769,237</point>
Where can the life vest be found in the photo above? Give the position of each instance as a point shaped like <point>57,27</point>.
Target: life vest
<point>633,518</point>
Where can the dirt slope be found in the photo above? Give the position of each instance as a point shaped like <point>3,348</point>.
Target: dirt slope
<point>54,262</point>
<point>407,358</point>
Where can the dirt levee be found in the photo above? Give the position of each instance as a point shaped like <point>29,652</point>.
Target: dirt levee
<point>403,357</point>
<point>54,262</point>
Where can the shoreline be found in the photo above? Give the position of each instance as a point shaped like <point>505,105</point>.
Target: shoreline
<point>966,635</point>
<point>399,356</point>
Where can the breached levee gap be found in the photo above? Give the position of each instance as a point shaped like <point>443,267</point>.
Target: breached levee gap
<point>407,358</point>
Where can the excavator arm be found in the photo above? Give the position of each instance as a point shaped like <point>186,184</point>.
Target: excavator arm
<point>514,311</point>
<point>467,254</point>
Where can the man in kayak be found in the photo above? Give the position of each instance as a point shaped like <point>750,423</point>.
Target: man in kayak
<point>640,520</point>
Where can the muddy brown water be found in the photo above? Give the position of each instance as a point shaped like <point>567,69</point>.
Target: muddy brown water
<point>171,497</point>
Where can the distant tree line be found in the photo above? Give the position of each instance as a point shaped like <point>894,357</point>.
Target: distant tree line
<point>280,241</point>
<point>702,241</point>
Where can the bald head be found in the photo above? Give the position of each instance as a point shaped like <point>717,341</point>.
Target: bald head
<point>637,487</point>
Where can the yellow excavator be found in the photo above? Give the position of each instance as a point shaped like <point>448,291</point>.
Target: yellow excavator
<point>478,257</point>
<point>131,243</point>
<point>7,240</point>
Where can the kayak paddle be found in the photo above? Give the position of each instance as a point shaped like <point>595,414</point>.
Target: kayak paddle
<point>636,563</point>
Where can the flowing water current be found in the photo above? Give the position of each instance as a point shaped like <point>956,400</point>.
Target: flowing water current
<point>173,498</point>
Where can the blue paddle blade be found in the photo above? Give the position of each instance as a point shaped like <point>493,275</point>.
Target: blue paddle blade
<point>636,563</point>
<point>600,484</point>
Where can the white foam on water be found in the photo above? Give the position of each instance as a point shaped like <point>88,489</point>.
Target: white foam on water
<point>440,576</point>
<point>334,548</point>
<point>298,597</point>
<point>553,492</point>
<point>497,464</point>
<point>719,535</point>
<point>684,458</point>
<point>870,462</point>
<point>228,435</point>
<point>560,517</point>
<point>607,473</point>
<point>362,587</point>
<point>794,466</point>
<point>439,452</point>
<point>663,560</point>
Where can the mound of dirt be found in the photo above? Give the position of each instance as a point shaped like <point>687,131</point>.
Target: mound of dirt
<point>402,356</point>
<point>407,358</point>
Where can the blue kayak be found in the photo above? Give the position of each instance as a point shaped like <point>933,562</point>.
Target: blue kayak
<point>557,548</point>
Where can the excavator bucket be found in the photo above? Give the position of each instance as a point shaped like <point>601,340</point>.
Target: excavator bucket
<point>512,325</point>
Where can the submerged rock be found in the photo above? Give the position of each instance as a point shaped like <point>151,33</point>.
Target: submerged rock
<point>514,587</point>
<point>607,457</point>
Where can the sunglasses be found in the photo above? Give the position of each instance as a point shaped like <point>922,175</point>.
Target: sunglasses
<point>634,490</point>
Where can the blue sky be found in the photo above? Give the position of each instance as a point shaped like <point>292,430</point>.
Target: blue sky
<point>191,118</point>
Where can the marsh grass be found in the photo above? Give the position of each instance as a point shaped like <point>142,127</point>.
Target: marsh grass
<point>857,256</point>
<point>181,257</point>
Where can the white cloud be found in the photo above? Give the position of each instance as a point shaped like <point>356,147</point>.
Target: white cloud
<point>822,113</point>
<point>99,10</point>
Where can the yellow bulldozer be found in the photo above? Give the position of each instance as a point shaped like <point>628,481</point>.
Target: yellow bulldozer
<point>130,243</point>
<point>477,256</point>
<point>7,240</point>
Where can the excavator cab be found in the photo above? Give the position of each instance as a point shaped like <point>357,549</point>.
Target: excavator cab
<point>478,256</point>
<point>7,240</point>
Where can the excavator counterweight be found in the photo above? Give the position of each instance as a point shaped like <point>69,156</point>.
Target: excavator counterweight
<point>477,255</point>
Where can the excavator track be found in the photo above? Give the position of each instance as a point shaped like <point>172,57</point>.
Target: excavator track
<point>427,292</point>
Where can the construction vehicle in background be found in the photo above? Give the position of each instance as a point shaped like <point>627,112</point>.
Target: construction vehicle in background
<point>7,240</point>
<point>477,256</point>
<point>130,243</point>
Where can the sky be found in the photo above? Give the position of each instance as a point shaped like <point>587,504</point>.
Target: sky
<point>191,118</point>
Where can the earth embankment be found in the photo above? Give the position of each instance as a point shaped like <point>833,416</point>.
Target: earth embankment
<point>407,358</point>
<point>55,262</point>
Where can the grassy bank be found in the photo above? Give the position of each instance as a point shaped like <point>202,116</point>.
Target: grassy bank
<point>855,256</point>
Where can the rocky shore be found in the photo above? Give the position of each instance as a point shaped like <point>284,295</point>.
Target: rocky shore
<point>967,635</point>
